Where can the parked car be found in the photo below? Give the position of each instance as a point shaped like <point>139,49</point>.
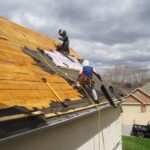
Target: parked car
<point>141,130</point>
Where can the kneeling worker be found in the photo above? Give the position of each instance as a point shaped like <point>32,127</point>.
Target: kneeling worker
<point>85,78</point>
<point>64,37</point>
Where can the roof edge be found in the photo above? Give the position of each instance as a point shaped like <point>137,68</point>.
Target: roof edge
<point>61,120</point>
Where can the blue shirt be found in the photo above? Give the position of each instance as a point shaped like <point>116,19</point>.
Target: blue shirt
<point>88,71</point>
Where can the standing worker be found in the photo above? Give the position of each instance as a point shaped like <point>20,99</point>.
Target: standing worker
<point>64,37</point>
<point>85,78</point>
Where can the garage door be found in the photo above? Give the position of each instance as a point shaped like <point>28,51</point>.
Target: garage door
<point>133,109</point>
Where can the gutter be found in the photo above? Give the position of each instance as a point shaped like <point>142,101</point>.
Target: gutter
<point>53,122</point>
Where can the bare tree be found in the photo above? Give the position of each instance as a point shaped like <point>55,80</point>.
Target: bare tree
<point>127,76</point>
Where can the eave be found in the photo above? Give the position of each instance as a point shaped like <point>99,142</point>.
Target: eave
<point>60,120</point>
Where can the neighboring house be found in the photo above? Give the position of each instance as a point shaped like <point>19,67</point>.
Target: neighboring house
<point>146,88</point>
<point>32,116</point>
<point>137,101</point>
<point>136,108</point>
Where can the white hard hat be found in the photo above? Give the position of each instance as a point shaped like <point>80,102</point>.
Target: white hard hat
<point>86,63</point>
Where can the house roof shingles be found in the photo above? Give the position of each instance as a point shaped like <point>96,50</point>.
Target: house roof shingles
<point>136,96</point>
<point>146,88</point>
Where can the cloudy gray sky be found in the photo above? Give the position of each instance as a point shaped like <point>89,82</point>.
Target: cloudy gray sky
<point>103,31</point>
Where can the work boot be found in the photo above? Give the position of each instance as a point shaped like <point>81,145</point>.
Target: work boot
<point>96,101</point>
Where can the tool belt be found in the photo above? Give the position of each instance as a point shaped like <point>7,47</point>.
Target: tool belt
<point>84,80</point>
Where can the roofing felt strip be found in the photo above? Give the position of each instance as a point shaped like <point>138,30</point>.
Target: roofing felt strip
<point>49,115</point>
<point>62,61</point>
<point>20,116</point>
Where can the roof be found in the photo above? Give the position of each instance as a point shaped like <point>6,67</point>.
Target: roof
<point>25,98</point>
<point>137,96</point>
<point>50,122</point>
<point>146,88</point>
<point>19,71</point>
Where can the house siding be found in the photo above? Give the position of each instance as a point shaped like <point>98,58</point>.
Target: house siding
<point>138,118</point>
<point>148,108</point>
<point>133,112</point>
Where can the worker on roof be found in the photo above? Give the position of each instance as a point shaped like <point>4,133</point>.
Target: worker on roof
<point>85,78</point>
<point>63,37</point>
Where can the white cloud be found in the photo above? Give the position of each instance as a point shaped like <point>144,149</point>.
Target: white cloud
<point>102,55</point>
<point>103,31</point>
<point>28,19</point>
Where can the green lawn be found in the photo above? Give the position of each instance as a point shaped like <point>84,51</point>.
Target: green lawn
<point>135,143</point>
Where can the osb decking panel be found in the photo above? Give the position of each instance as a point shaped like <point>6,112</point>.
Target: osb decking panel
<point>20,78</point>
